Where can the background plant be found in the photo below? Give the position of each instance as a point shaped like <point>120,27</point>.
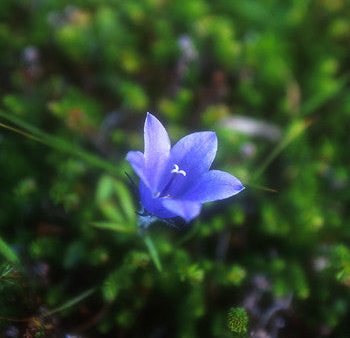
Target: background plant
<point>76,80</point>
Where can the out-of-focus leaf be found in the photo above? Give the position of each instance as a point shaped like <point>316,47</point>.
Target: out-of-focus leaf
<point>8,253</point>
<point>115,202</point>
<point>153,252</point>
<point>126,204</point>
<point>118,227</point>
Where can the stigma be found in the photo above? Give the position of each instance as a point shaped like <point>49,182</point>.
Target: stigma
<point>177,170</point>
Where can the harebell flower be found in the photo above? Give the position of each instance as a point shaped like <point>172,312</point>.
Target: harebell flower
<point>176,181</point>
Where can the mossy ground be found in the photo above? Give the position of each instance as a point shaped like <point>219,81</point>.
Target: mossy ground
<point>270,77</point>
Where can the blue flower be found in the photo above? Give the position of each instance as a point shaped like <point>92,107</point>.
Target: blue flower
<point>175,181</point>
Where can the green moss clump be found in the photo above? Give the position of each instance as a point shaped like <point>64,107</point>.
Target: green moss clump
<point>238,320</point>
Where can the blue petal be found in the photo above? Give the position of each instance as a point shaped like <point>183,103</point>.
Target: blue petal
<point>213,185</point>
<point>153,205</point>
<point>137,161</point>
<point>157,148</point>
<point>193,154</point>
<point>186,209</point>
<point>196,151</point>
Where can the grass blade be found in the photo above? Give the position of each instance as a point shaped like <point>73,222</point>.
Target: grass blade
<point>71,302</point>
<point>153,252</point>
<point>114,226</point>
<point>57,143</point>
<point>294,131</point>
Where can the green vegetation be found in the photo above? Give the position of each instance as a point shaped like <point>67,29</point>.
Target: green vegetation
<point>271,78</point>
<point>238,321</point>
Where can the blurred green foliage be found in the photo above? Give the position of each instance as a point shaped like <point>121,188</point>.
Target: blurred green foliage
<point>270,77</point>
<point>238,321</point>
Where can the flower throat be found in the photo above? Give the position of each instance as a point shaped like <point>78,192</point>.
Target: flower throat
<point>176,170</point>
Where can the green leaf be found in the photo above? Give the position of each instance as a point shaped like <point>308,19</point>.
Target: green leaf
<point>125,200</point>
<point>153,252</point>
<point>8,252</point>
<point>104,188</point>
<point>115,201</point>
<point>110,288</point>
<point>114,226</point>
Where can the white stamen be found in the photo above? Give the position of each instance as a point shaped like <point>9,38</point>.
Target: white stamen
<point>177,171</point>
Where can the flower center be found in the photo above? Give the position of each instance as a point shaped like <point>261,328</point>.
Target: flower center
<point>164,192</point>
